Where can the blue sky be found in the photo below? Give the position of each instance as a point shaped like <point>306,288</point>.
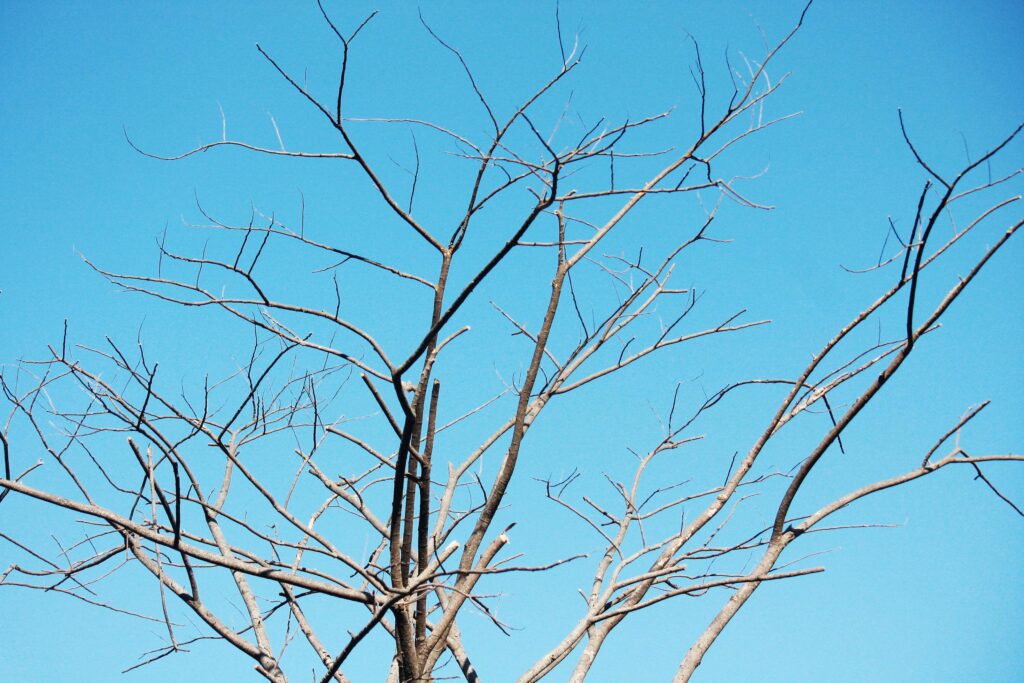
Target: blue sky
<point>938,598</point>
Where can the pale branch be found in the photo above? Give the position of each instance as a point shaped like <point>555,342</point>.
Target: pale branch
<point>248,477</point>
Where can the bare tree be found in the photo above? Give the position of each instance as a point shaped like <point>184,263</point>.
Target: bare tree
<point>250,483</point>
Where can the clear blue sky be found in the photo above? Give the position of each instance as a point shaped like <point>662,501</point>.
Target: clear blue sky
<point>939,598</point>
